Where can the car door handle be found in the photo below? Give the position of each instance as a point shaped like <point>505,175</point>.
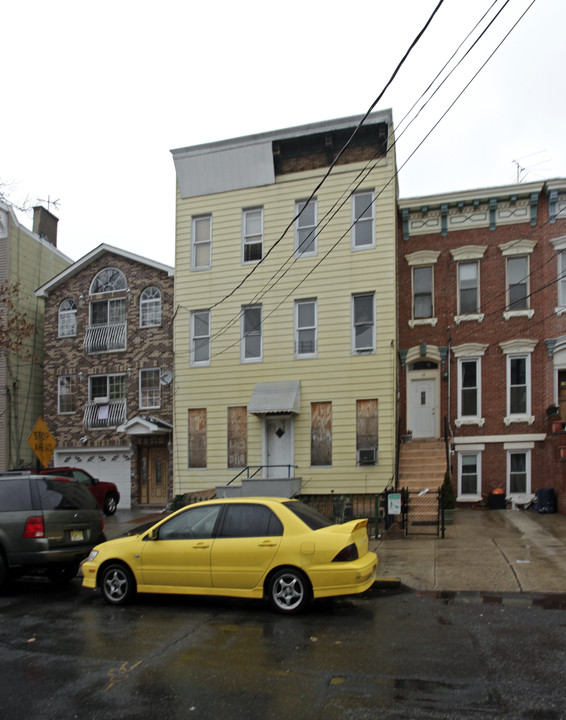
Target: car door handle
<point>267,543</point>
<point>201,546</point>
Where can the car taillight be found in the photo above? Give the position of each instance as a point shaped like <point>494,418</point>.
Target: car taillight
<point>34,527</point>
<point>348,554</point>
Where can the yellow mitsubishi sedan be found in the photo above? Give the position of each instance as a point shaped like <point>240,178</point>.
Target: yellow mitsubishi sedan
<point>276,548</point>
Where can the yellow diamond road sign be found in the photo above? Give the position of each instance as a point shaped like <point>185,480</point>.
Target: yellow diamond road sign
<point>42,442</point>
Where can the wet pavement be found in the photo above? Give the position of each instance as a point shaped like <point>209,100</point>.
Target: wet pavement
<point>497,551</point>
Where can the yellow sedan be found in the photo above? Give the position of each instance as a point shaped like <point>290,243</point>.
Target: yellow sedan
<point>240,547</point>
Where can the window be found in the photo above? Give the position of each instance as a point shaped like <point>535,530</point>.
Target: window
<point>366,432</point>
<point>193,524</point>
<point>518,380</point>
<point>363,228</point>
<point>237,437</point>
<point>321,433</point>
<point>150,307</point>
<point>562,278</point>
<point>363,323</point>
<point>200,338</point>
<point>517,283</point>
<point>305,227</point>
<point>468,297</point>
<point>201,247</point>
<point>469,474</point>
<point>518,472</point>
<point>251,334</point>
<point>150,388</point>
<point>108,312</point>
<point>197,438</point>
<point>247,520</point>
<point>68,318</point>
<point>252,235</point>
<point>305,328</point>
<point>108,387</point>
<point>469,388</point>
<point>422,292</point>
<point>107,405</point>
<point>67,394</point>
<point>108,280</point>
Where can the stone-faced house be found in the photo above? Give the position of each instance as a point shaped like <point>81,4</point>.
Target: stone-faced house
<point>108,389</point>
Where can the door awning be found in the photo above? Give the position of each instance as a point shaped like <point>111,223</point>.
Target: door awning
<point>144,425</point>
<point>276,397</point>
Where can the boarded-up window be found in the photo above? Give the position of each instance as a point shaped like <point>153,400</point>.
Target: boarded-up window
<point>366,431</point>
<point>321,433</point>
<point>237,437</point>
<point>197,438</point>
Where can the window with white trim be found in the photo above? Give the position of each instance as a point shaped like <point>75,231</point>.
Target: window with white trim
<point>108,280</point>
<point>201,242</point>
<point>469,474</point>
<point>518,472</point>
<point>200,338</point>
<point>150,307</point>
<point>150,388</point>
<point>518,385</point>
<point>251,347</point>
<point>468,288</point>
<point>562,278</point>
<point>518,283</point>
<point>305,328</point>
<point>363,220</point>
<point>469,390</point>
<point>68,318</point>
<point>422,292</point>
<point>305,227</point>
<point>363,323</point>
<point>252,235</point>
<point>67,394</point>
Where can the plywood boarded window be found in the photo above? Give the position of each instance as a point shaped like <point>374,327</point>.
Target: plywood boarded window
<point>366,431</point>
<point>321,433</point>
<point>237,437</point>
<point>197,438</point>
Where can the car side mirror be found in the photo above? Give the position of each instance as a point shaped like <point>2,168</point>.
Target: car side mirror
<point>152,535</point>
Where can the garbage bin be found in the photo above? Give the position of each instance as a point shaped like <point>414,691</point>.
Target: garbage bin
<point>496,500</point>
<point>545,500</point>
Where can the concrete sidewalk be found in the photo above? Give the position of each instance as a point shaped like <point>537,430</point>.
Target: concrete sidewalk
<point>484,550</point>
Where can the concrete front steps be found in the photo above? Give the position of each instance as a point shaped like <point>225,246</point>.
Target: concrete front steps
<point>422,465</point>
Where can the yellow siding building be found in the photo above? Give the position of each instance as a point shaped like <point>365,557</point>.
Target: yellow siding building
<point>286,312</point>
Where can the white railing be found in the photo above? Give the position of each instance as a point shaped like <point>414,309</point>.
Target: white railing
<point>104,415</point>
<point>105,338</point>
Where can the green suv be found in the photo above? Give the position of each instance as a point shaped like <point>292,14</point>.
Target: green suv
<point>47,524</point>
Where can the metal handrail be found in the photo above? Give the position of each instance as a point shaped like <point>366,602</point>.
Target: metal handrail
<point>258,468</point>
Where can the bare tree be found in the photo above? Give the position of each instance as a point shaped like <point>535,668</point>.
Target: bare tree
<point>15,327</point>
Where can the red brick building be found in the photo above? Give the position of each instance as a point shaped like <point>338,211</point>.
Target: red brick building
<point>108,390</point>
<point>482,334</point>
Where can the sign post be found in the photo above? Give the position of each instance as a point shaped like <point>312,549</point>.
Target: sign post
<point>42,442</point>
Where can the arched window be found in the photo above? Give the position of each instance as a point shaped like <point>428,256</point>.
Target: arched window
<point>150,307</point>
<point>108,280</point>
<point>68,318</point>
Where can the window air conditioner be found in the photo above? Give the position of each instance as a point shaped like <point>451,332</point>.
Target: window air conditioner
<point>366,457</point>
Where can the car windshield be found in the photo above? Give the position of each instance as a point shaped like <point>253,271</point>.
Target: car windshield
<point>308,515</point>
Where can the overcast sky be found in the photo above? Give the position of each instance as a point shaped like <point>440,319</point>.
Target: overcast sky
<point>95,95</point>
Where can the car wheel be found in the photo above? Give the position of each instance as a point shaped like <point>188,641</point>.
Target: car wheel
<point>118,584</point>
<point>63,573</point>
<point>110,504</point>
<point>289,591</point>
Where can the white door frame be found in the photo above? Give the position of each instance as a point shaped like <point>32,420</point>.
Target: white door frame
<point>413,356</point>
<point>286,450</point>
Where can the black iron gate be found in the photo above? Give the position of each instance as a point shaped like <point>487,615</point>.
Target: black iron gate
<point>422,512</point>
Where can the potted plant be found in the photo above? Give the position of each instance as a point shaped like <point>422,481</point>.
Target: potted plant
<point>449,499</point>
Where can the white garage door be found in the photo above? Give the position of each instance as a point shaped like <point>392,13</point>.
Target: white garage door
<point>110,464</point>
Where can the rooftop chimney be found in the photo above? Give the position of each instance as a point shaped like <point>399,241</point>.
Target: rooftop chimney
<point>45,224</point>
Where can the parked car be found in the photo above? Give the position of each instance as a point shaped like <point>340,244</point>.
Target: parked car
<point>47,524</point>
<point>238,547</point>
<point>105,492</point>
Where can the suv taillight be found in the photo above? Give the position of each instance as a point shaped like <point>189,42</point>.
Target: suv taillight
<point>34,527</point>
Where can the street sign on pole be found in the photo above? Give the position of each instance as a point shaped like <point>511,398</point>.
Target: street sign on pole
<point>42,442</point>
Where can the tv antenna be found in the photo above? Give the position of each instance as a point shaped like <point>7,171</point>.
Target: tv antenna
<point>50,202</point>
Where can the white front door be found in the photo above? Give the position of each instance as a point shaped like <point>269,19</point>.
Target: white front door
<point>423,408</point>
<point>278,446</point>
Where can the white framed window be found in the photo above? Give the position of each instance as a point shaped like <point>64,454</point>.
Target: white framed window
<point>562,279</point>
<point>201,242</point>
<point>469,475</point>
<point>468,288</point>
<point>518,385</point>
<point>305,227</point>
<point>363,323</point>
<point>423,306</point>
<point>252,235</point>
<point>68,318</point>
<point>363,220</point>
<point>518,472</point>
<point>469,388</point>
<point>200,338</point>
<point>150,307</point>
<point>518,283</point>
<point>150,388</point>
<point>306,333</point>
<point>252,341</point>
<point>67,394</point>
<point>110,279</point>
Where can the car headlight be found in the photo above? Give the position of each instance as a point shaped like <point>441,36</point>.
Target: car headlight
<point>93,554</point>
<point>348,554</point>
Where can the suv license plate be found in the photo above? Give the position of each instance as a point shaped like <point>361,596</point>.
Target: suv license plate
<point>77,535</point>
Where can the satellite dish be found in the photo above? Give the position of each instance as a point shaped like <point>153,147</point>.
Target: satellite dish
<point>166,377</point>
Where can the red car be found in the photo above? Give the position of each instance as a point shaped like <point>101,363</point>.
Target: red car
<point>105,492</point>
